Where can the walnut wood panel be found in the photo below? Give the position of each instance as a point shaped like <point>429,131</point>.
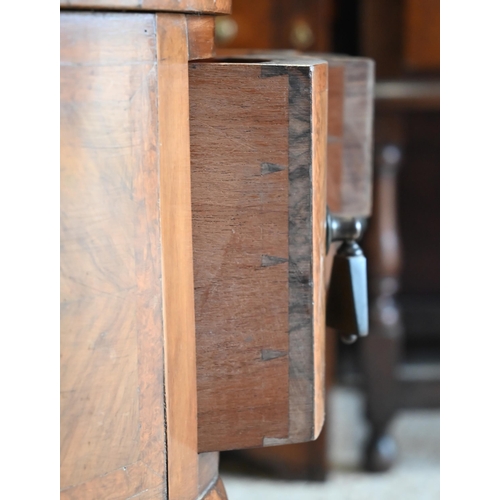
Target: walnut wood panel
<point>258,131</point>
<point>198,6</point>
<point>112,417</point>
<point>128,375</point>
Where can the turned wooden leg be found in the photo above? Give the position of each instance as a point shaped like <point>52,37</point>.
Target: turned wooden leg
<point>380,350</point>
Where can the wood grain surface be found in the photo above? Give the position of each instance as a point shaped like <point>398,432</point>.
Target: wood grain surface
<point>112,416</point>
<point>177,256</point>
<point>349,192</point>
<point>351,89</point>
<point>350,134</point>
<point>128,374</point>
<point>188,6</point>
<point>319,188</point>
<point>258,201</point>
<point>201,36</point>
<point>301,461</point>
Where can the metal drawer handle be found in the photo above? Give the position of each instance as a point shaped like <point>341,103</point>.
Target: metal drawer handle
<point>347,303</point>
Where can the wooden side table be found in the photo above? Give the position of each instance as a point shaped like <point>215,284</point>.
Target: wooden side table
<point>193,248</point>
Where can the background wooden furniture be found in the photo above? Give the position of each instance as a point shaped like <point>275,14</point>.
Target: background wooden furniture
<point>280,24</point>
<point>400,358</point>
<point>402,36</point>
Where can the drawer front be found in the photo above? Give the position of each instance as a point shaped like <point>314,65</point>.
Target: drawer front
<point>258,159</point>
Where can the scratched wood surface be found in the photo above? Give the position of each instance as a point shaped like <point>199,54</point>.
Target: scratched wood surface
<point>258,131</point>
<point>112,417</point>
<point>128,376</point>
<point>188,6</point>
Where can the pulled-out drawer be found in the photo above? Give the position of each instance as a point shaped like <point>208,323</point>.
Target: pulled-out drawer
<point>268,132</point>
<point>258,159</point>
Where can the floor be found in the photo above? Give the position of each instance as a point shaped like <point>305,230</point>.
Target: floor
<point>415,476</point>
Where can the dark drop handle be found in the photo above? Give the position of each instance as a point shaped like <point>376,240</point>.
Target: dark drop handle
<point>347,302</point>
